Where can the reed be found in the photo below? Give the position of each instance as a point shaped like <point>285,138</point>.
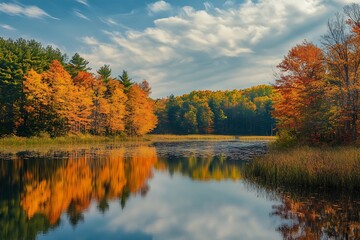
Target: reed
<point>87,138</point>
<point>70,139</point>
<point>308,168</point>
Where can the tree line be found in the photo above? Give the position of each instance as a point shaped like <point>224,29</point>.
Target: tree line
<point>244,112</point>
<point>317,91</point>
<point>41,92</point>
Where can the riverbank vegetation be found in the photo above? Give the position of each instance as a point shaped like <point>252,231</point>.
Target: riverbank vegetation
<point>15,143</point>
<point>308,168</point>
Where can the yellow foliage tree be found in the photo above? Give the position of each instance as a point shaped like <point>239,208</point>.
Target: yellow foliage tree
<point>140,116</point>
<point>37,96</point>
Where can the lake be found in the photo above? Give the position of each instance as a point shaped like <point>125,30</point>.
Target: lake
<point>169,190</point>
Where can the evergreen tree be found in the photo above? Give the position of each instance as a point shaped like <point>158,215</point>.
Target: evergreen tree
<point>125,80</point>
<point>104,73</point>
<point>77,64</point>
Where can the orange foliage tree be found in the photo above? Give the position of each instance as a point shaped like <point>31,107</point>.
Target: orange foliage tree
<point>140,112</point>
<point>300,100</point>
<point>59,104</point>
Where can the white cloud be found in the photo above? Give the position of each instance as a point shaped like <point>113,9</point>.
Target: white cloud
<point>80,15</point>
<point>7,27</point>
<point>159,6</point>
<point>233,47</point>
<point>28,11</point>
<point>84,2</point>
<point>109,21</point>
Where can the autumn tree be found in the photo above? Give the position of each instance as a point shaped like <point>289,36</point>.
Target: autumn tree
<point>37,102</point>
<point>300,102</point>
<point>17,58</point>
<point>101,110</point>
<point>140,117</point>
<point>317,92</point>
<point>61,98</point>
<point>342,52</point>
<point>117,100</point>
<point>144,85</point>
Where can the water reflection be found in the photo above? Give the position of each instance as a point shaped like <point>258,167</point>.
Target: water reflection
<point>313,215</point>
<point>201,168</point>
<point>36,190</point>
<point>44,195</point>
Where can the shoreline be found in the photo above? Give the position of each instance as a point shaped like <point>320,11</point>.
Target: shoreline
<point>14,142</point>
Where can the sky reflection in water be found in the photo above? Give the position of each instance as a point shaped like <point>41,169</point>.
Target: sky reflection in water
<point>143,192</point>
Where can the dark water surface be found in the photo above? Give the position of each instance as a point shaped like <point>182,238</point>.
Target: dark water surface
<point>182,190</point>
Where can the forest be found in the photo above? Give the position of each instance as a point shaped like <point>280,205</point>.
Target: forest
<point>240,112</point>
<point>42,93</point>
<point>316,98</point>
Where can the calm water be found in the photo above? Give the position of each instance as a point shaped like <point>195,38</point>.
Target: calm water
<point>186,190</point>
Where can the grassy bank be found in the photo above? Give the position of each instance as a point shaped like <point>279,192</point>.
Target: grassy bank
<point>72,139</point>
<point>304,167</point>
<point>90,139</point>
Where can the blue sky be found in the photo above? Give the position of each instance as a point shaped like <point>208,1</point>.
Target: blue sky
<point>177,45</point>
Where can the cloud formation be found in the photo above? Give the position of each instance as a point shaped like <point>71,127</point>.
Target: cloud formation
<point>81,15</point>
<point>21,10</point>
<point>109,21</point>
<point>7,27</point>
<point>84,2</point>
<point>233,46</point>
<point>159,6</point>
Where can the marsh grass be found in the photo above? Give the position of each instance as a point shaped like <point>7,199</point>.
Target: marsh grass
<point>70,139</point>
<point>87,138</point>
<point>308,168</point>
<point>15,144</point>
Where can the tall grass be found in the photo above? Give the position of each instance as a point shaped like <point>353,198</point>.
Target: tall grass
<point>87,138</point>
<point>310,168</point>
<point>70,139</point>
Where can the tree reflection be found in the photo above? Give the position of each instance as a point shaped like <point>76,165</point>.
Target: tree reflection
<point>313,215</point>
<point>319,217</point>
<point>37,190</point>
<point>202,168</point>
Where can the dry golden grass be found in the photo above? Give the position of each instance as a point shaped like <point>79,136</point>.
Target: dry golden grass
<point>15,144</point>
<point>307,167</point>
